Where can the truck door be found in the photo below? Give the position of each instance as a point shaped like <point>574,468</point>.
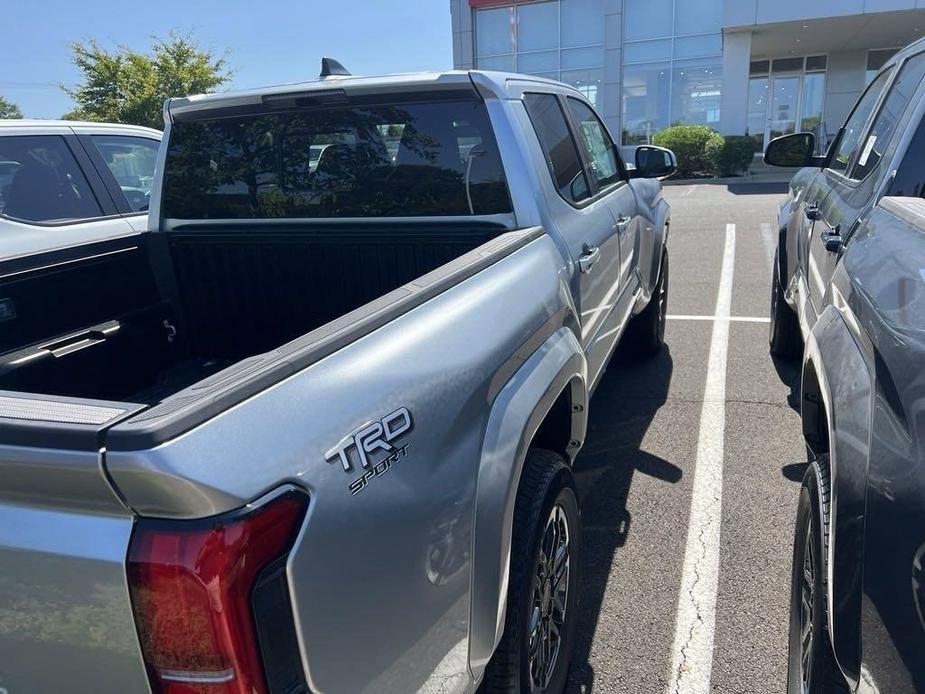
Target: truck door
<point>608,178</point>
<point>602,160</point>
<point>581,212</point>
<point>857,173</point>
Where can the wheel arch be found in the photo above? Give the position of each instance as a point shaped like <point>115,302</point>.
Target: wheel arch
<point>835,401</point>
<point>543,404</point>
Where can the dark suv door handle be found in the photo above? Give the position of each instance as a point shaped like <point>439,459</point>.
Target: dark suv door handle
<point>587,259</point>
<point>812,212</point>
<point>832,239</point>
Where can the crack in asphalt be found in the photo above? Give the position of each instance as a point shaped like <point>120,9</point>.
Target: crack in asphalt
<point>693,598</point>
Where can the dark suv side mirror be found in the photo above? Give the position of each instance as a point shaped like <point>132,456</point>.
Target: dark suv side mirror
<point>791,150</point>
<point>654,162</point>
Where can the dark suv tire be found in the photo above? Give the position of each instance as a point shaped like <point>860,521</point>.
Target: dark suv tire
<point>542,600</point>
<point>645,334</point>
<point>784,337</point>
<point>811,667</point>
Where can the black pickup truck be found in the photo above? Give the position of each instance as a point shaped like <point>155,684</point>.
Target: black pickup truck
<point>849,295</point>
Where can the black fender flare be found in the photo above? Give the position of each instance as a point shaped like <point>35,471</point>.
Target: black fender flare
<point>836,376</point>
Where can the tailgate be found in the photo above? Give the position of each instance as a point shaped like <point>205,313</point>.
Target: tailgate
<point>65,619</point>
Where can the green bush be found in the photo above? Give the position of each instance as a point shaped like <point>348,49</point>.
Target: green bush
<point>695,146</point>
<point>736,155</point>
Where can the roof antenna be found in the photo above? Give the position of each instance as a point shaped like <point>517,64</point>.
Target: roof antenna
<point>332,68</point>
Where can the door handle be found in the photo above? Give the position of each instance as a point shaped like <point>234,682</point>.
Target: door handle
<point>832,239</point>
<point>622,224</point>
<point>812,212</point>
<point>589,256</point>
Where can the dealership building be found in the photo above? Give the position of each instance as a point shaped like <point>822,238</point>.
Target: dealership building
<point>758,67</point>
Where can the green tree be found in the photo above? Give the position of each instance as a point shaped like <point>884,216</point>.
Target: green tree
<point>9,109</point>
<point>125,86</point>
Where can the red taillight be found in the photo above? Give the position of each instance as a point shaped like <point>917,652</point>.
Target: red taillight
<point>191,584</point>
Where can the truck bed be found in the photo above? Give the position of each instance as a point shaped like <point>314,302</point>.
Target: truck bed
<point>164,320</point>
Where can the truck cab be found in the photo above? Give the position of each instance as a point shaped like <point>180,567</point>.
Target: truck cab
<point>319,416</point>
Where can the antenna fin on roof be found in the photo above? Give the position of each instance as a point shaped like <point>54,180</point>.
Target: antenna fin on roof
<point>332,68</point>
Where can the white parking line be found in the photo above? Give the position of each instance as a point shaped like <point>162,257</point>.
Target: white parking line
<point>692,654</point>
<point>733,319</point>
<point>770,243</point>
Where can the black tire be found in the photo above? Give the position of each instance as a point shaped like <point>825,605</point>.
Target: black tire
<point>784,337</point>
<point>546,487</point>
<point>811,668</point>
<point>645,334</point>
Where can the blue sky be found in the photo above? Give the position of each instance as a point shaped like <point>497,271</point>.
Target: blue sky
<point>268,41</point>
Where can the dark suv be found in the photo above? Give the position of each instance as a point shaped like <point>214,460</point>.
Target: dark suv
<point>849,295</point>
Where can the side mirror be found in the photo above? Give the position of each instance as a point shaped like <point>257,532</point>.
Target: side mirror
<point>654,162</point>
<point>791,150</point>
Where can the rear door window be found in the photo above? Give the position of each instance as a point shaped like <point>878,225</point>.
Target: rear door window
<point>40,181</point>
<point>378,159</point>
<point>599,148</point>
<point>131,161</point>
<point>881,131</point>
<point>558,146</point>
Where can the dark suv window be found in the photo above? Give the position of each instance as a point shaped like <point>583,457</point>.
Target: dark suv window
<point>850,141</point>
<point>375,160</point>
<point>40,181</point>
<point>881,131</point>
<point>910,175</point>
<point>556,140</point>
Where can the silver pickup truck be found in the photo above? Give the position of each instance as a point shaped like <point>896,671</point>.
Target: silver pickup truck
<point>313,430</point>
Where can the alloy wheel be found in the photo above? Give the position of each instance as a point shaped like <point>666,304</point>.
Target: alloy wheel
<point>662,303</point>
<point>807,595</point>
<point>549,600</point>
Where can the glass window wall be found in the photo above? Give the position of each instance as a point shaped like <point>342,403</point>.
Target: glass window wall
<point>537,27</point>
<point>785,96</point>
<point>646,94</point>
<point>757,110</point>
<point>813,102</point>
<point>494,33</point>
<point>647,19</point>
<point>581,22</point>
<point>672,65</point>
<point>561,40</point>
<point>695,94</point>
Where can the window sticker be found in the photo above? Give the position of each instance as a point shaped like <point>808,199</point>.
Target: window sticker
<point>868,148</point>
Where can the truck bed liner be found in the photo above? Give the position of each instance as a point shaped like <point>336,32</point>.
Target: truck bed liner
<point>212,364</point>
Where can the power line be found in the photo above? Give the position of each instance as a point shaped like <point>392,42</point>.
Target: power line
<point>30,85</point>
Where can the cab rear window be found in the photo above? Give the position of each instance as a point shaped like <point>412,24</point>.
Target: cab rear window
<point>390,160</point>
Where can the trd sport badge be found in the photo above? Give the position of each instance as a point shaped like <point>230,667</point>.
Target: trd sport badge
<point>365,441</point>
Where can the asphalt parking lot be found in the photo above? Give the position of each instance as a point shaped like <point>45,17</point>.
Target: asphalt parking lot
<point>689,482</point>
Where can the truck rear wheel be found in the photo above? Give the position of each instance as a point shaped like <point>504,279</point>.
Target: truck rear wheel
<point>811,665</point>
<point>784,337</point>
<point>542,602</point>
<point>645,334</point>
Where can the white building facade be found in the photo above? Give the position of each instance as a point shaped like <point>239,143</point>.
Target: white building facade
<point>758,67</point>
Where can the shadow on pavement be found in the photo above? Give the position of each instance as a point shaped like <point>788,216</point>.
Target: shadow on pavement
<point>629,395</point>
<point>794,472</point>
<point>759,188</point>
<point>788,371</point>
